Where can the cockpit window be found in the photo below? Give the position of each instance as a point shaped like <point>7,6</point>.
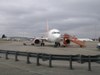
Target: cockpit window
<point>55,32</point>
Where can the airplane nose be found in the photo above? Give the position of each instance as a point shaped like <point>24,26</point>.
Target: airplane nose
<point>58,37</point>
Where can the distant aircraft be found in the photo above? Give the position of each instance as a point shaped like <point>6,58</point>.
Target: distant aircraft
<point>85,39</point>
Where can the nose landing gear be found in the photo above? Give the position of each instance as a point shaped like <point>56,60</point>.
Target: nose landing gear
<point>57,44</point>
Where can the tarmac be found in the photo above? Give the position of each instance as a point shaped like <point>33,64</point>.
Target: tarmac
<point>10,67</point>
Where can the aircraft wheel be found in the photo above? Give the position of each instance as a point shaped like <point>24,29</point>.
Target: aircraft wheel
<point>68,41</point>
<point>42,44</point>
<point>57,44</point>
<point>24,44</point>
<point>32,44</point>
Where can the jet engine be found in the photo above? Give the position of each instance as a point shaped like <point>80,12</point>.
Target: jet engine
<point>37,41</point>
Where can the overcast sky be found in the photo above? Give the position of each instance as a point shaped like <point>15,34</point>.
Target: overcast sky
<point>28,17</point>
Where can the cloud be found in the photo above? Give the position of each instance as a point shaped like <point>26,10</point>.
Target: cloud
<point>28,17</point>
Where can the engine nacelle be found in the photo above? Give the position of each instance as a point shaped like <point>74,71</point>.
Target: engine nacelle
<point>37,42</point>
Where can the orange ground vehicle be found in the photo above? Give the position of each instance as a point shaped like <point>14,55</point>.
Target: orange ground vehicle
<point>68,38</point>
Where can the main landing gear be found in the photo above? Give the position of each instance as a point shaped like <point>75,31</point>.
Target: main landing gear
<point>42,44</point>
<point>57,44</point>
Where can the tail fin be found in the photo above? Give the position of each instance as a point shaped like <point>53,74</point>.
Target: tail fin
<point>47,27</point>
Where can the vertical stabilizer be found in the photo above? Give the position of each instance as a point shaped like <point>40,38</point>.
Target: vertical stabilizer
<point>47,27</point>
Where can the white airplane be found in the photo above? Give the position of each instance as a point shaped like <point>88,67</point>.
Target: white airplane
<point>85,39</point>
<point>53,36</point>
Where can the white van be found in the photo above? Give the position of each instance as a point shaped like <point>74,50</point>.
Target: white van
<point>98,45</point>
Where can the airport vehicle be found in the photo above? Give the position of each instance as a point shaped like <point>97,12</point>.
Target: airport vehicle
<point>68,38</point>
<point>98,45</point>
